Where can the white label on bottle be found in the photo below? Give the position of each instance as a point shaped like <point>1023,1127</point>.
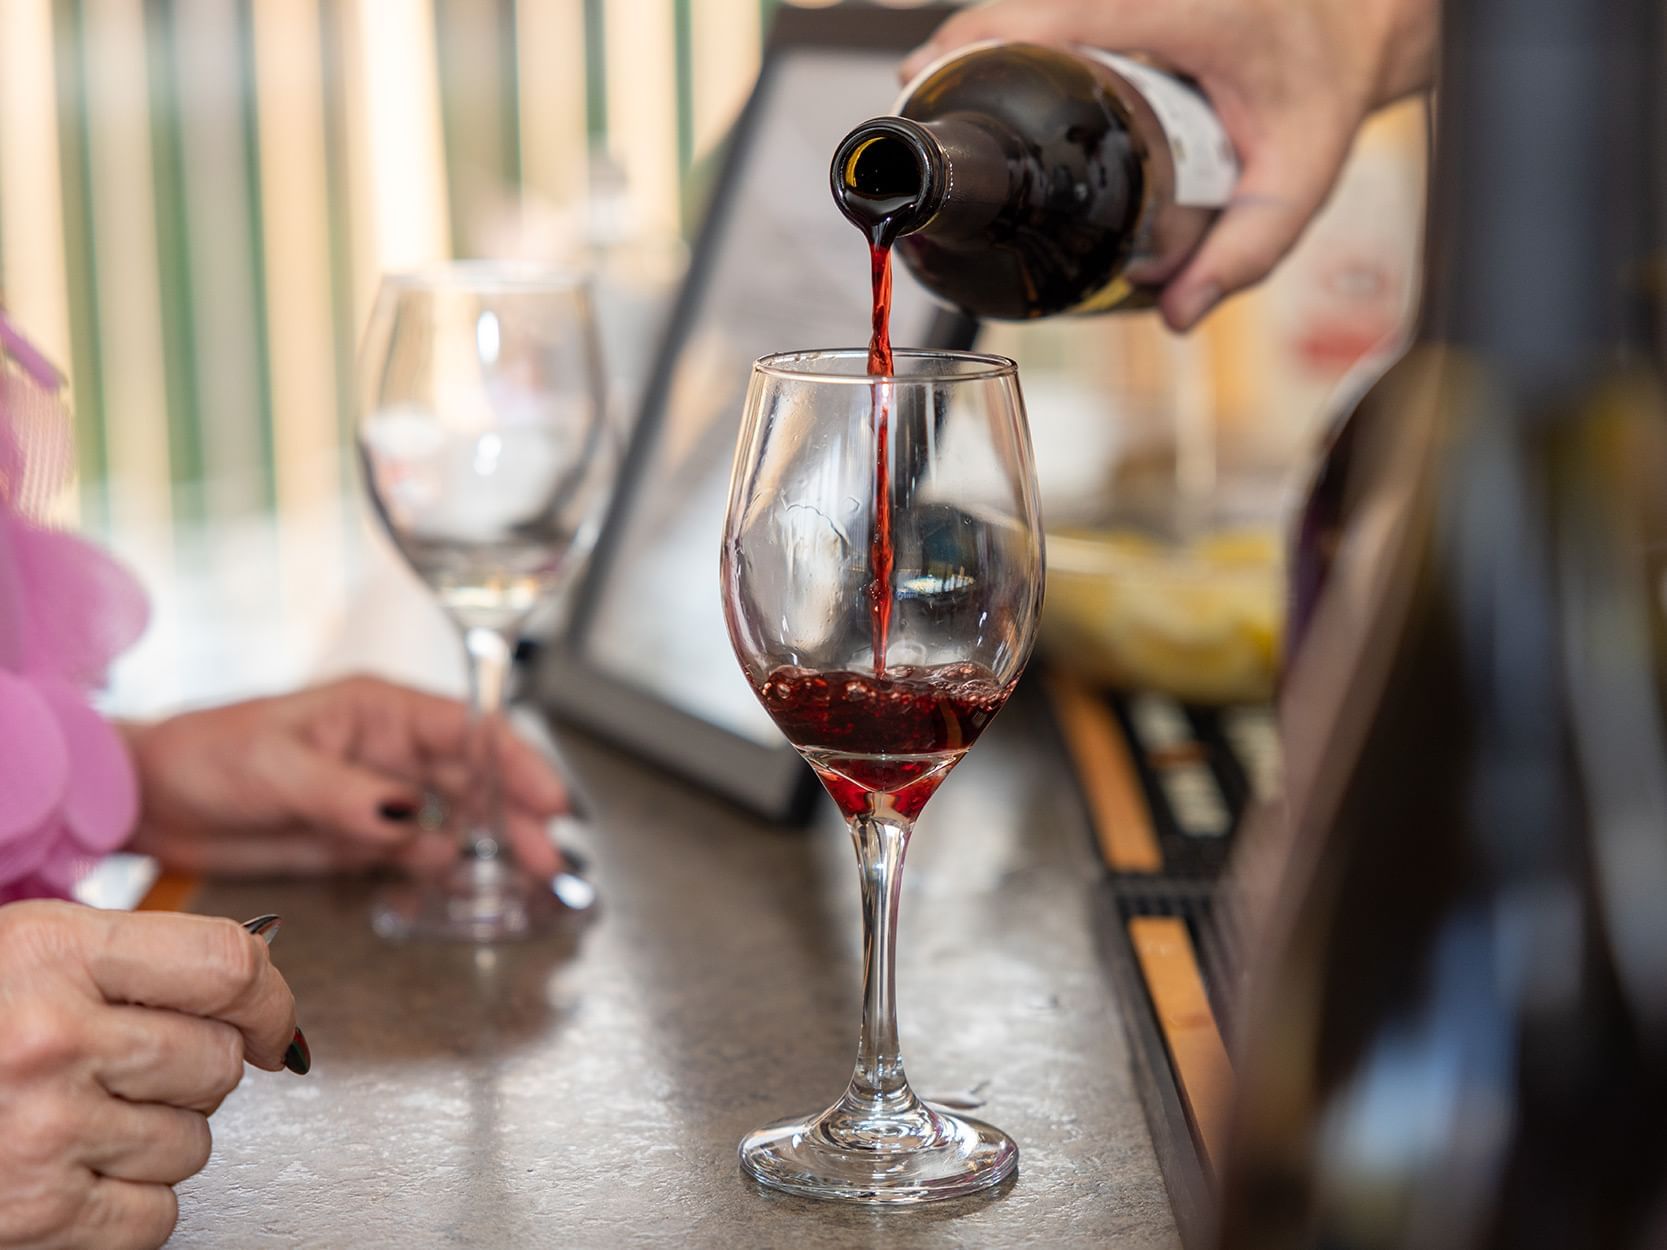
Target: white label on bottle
<point>1206,167</point>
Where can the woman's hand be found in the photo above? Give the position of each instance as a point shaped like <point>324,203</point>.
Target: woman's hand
<point>119,1035</point>
<point>330,779</point>
<point>1291,80</point>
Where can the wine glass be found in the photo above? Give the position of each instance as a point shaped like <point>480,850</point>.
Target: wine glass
<point>486,450</point>
<point>882,580</point>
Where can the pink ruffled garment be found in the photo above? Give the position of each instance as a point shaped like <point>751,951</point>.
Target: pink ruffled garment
<point>68,794</point>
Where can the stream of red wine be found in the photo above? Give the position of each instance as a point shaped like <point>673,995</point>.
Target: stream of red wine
<point>881,556</point>
<point>879,340</point>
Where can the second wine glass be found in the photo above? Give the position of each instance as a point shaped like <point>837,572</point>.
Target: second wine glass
<point>882,579</point>
<point>488,456</point>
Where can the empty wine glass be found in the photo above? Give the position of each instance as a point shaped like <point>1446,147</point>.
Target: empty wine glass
<point>487,454</point>
<point>882,580</point>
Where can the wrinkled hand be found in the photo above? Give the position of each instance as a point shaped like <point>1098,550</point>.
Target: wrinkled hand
<point>327,780</point>
<point>119,1036</point>
<point>1291,80</point>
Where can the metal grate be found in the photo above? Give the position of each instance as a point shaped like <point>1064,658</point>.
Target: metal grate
<point>1198,770</point>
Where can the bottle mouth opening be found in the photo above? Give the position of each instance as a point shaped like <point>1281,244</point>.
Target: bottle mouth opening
<point>884,168</point>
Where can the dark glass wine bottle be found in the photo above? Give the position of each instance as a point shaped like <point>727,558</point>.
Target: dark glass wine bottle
<point>1457,1037</point>
<point>1020,181</point>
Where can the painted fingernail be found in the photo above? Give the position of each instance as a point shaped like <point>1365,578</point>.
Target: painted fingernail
<point>398,810</point>
<point>265,927</point>
<point>299,1058</point>
<point>573,891</point>
<point>1190,309</point>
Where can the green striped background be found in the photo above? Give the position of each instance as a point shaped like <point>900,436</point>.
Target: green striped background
<point>221,432</point>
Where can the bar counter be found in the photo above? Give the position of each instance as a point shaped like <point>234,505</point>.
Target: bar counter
<point>589,1089</point>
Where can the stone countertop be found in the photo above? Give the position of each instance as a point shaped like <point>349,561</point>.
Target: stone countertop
<point>589,1089</point>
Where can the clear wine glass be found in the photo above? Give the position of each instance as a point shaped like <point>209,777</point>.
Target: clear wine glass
<point>882,676</point>
<point>487,453</point>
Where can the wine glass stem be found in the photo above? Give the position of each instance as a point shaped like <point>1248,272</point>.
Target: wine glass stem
<point>879,1083</point>
<point>481,830</point>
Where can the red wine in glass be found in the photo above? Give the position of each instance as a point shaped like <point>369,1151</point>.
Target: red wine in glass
<point>883,743</point>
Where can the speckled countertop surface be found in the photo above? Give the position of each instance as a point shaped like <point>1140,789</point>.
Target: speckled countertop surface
<point>589,1090</point>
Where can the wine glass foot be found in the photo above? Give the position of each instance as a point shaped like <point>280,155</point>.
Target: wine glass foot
<point>925,1155</point>
<point>477,900</point>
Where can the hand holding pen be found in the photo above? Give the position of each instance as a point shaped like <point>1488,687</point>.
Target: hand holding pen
<point>120,1034</point>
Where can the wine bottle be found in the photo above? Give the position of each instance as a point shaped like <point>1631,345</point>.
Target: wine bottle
<point>1020,181</point>
<point>1457,1033</point>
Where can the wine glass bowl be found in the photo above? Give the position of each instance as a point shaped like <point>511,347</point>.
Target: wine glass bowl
<point>882,579</point>
<point>487,455</point>
<point>797,556</point>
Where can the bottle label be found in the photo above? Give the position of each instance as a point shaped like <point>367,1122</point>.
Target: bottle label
<point>1206,167</point>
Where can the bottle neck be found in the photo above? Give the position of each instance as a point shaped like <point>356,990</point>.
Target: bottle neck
<point>1539,228</point>
<point>952,177</point>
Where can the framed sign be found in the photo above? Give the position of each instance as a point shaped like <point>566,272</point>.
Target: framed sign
<point>645,659</point>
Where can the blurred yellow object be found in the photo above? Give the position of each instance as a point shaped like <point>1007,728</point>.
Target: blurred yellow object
<point>1200,621</point>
